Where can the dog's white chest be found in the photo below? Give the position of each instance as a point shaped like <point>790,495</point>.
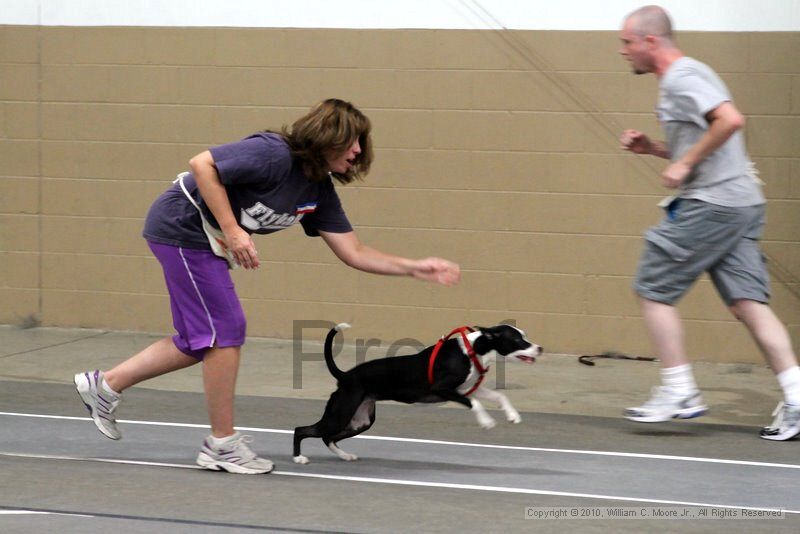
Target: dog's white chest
<point>470,381</point>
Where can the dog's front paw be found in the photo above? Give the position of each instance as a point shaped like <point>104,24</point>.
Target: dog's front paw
<point>486,421</point>
<point>301,459</point>
<point>513,417</point>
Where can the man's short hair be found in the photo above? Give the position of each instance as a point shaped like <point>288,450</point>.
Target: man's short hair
<point>651,20</point>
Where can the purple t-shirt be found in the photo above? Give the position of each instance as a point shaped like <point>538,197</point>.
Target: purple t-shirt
<point>267,191</point>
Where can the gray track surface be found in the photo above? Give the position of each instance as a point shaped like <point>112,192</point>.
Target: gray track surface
<point>137,498</point>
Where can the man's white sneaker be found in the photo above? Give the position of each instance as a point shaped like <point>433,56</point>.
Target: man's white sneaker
<point>665,404</point>
<point>100,402</point>
<point>786,424</point>
<point>232,455</point>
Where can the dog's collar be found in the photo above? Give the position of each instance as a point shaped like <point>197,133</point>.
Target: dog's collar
<point>464,330</point>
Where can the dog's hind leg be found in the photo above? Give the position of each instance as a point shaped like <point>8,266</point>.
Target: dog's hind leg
<point>490,395</point>
<point>339,413</point>
<point>362,420</point>
<point>318,429</point>
<point>344,455</point>
<point>301,433</point>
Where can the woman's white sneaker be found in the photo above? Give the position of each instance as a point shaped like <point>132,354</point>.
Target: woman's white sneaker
<point>232,455</point>
<point>99,401</point>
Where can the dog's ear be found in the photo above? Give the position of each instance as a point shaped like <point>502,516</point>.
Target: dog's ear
<point>485,332</point>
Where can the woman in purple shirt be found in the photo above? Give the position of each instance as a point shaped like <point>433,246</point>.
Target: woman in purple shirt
<point>202,226</point>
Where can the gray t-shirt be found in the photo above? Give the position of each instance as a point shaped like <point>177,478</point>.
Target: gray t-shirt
<point>689,90</point>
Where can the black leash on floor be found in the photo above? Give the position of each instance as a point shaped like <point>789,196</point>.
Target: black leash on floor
<point>589,359</point>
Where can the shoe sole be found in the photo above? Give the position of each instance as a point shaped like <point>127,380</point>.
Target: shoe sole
<point>689,413</point>
<point>206,462</point>
<point>785,436</point>
<point>86,399</point>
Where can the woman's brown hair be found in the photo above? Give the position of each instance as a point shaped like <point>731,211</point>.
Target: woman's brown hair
<point>331,126</point>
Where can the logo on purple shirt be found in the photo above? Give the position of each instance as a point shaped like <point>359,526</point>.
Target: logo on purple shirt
<point>260,217</point>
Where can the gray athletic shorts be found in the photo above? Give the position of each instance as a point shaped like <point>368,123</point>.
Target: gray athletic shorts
<point>698,237</point>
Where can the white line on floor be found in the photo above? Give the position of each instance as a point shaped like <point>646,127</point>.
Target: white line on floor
<point>36,512</point>
<point>419,483</point>
<point>446,443</point>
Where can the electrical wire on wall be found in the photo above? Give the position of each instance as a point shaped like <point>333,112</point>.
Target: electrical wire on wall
<point>608,128</point>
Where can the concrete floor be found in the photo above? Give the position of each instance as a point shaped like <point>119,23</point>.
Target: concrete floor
<point>421,467</point>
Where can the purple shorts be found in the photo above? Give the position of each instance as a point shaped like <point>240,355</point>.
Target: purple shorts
<point>206,311</point>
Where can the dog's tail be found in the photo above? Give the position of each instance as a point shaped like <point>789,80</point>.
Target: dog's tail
<point>335,371</point>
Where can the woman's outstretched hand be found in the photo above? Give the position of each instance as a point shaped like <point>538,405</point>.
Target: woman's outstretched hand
<point>436,270</point>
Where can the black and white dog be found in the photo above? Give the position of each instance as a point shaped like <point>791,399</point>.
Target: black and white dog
<point>448,371</point>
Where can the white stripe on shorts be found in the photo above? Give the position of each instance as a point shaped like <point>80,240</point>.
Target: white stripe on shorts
<point>203,302</point>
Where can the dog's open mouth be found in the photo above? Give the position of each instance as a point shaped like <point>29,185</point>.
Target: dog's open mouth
<point>526,359</point>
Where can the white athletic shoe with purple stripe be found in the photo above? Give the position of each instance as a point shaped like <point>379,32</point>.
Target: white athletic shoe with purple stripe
<point>233,456</point>
<point>100,403</point>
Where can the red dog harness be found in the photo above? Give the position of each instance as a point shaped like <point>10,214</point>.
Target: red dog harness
<point>470,352</point>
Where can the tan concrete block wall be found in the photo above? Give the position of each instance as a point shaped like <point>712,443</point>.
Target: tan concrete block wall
<point>494,149</point>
